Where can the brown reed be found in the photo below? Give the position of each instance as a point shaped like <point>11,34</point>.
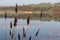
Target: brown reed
<point>28,20</point>
<point>5,15</point>
<point>5,24</point>
<point>15,24</point>
<point>41,14</point>
<point>16,8</point>
<point>11,24</point>
<point>15,21</point>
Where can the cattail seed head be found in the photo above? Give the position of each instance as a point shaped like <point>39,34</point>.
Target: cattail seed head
<point>41,14</point>
<point>16,8</point>
<point>11,24</point>
<point>5,15</point>
<point>28,20</point>
<point>15,24</point>
<point>15,21</point>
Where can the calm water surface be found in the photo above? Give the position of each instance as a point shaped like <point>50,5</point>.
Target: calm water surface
<point>49,30</point>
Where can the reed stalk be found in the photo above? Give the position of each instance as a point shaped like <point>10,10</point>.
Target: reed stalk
<point>28,20</point>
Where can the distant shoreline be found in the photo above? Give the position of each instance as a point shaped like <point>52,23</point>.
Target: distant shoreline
<point>33,16</point>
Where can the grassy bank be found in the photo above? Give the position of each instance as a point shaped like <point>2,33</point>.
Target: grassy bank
<point>24,16</point>
<point>47,15</point>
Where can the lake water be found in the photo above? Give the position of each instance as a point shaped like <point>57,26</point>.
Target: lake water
<point>49,30</point>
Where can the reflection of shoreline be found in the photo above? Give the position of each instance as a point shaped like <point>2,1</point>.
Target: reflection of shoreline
<point>45,17</point>
<point>24,16</point>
